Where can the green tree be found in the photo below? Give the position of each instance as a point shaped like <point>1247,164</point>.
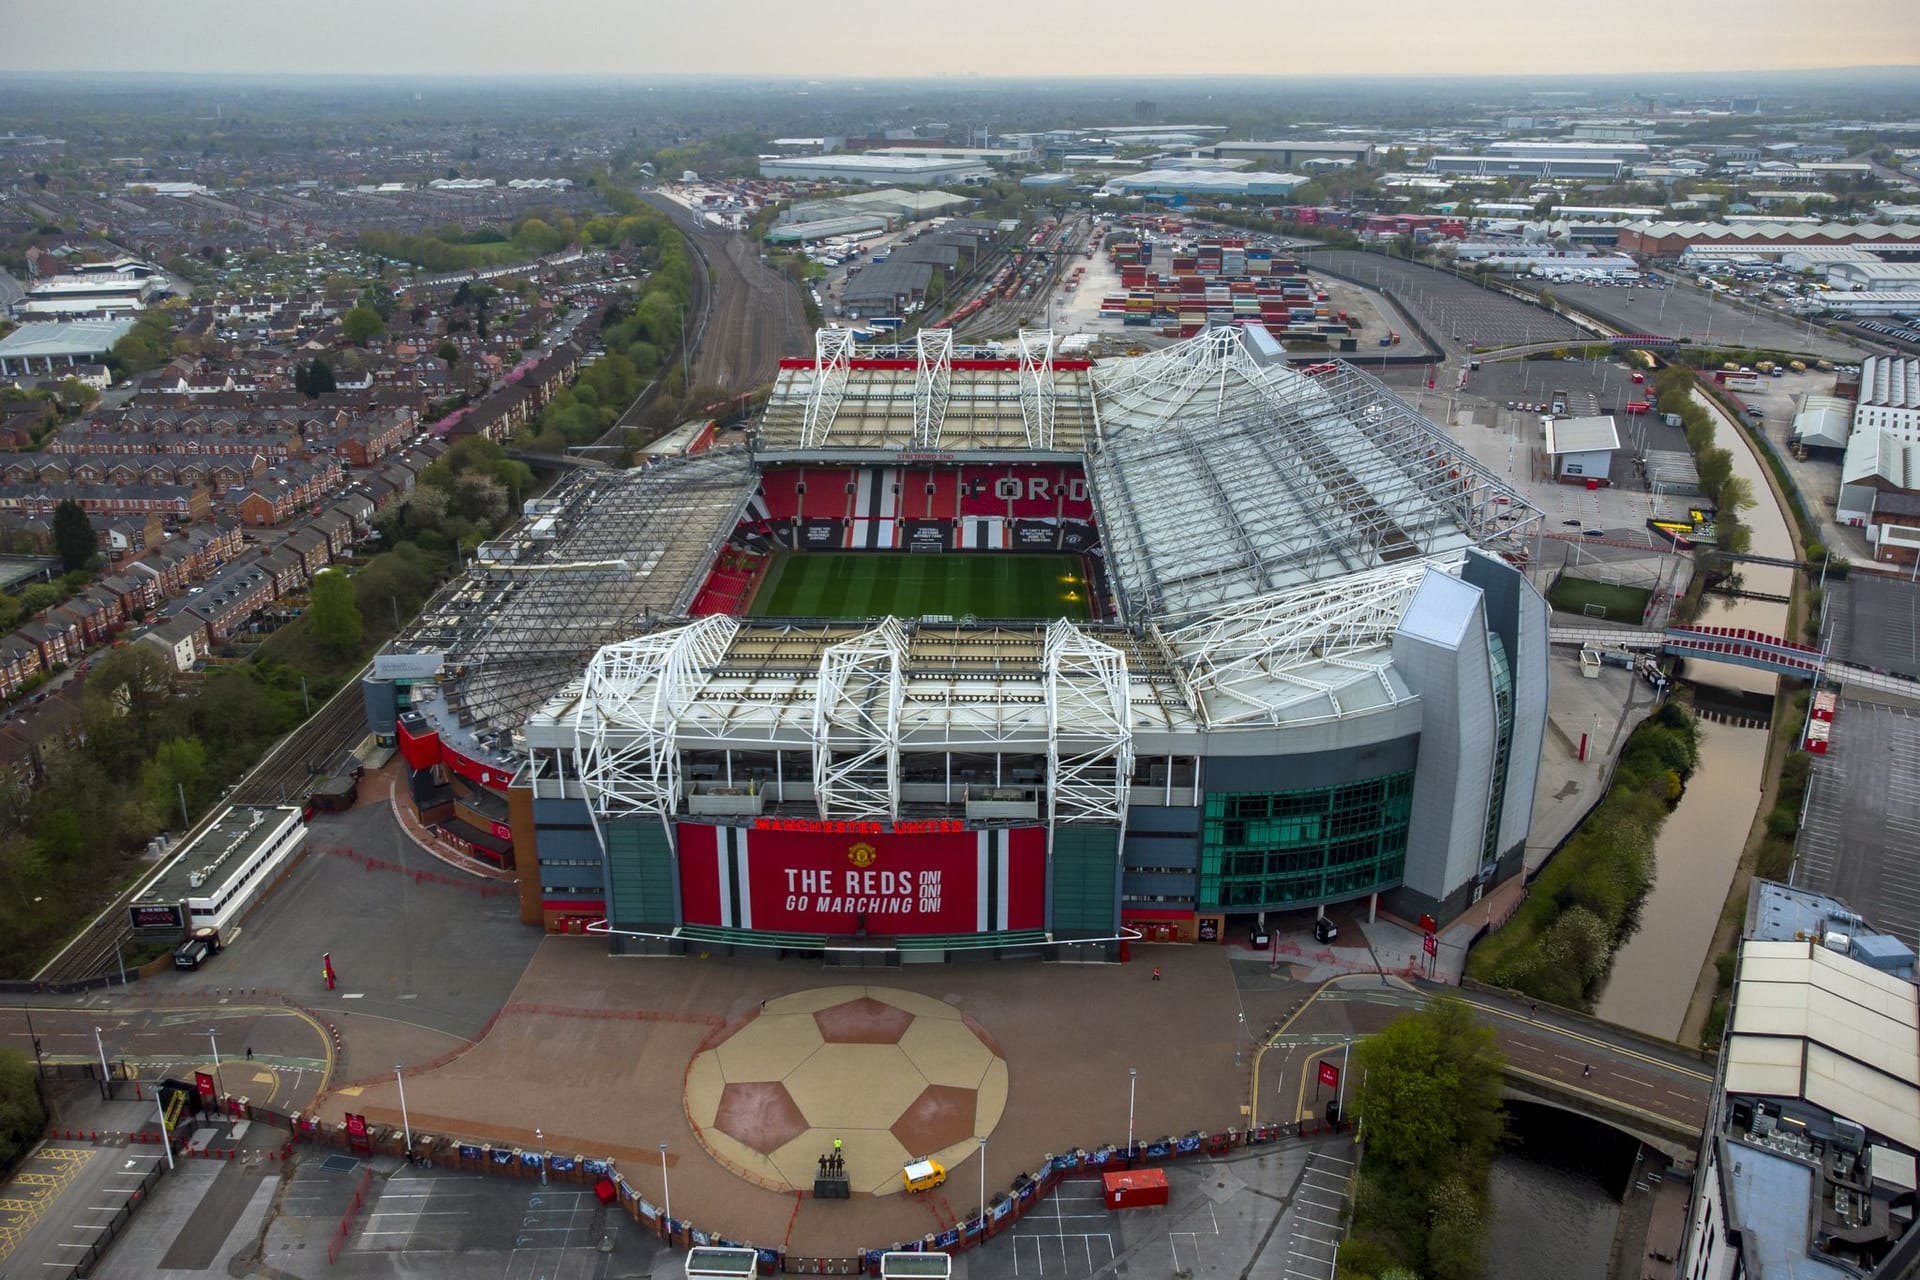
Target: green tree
<point>73,537</point>
<point>362,325</point>
<point>315,379</point>
<point>335,616</point>
<point>22,1114</point>
<point>449,353</point>
<point>178,764</point>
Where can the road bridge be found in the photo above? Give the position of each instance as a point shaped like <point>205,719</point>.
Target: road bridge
<point>1649,1088</point>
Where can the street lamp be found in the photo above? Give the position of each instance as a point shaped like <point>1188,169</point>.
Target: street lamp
<point>166,1136</point>
<point>666,1188</point>
<point>540,1142</point>
<point>105,1076</point>
<point>983,1182</point>
<point>405,1127</point>
<point>1133,1077</point>
<point>219,1088</point>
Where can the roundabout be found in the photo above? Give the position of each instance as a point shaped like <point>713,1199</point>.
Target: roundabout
<point>895,1076</point>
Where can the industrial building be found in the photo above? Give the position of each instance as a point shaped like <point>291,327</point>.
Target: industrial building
<point>1312,672</point>
<point>47,346</point>
<point>1671,239</point>
<point>1821,422</point>
<point>1580,450</point>
<point>1291,155</point>
<point>1889,398</point>
<point>1526,166</point>
<point>1205,183</point>
<point>1807,1168</point>
<point>875,167</point>
<point>215,878</point>
<point>1584,149</point>
<point>89,294</point>
<point>1873,276</point>
<point>1905,302</point>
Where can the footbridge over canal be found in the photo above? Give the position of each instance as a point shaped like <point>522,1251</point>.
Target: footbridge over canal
<point>1741,648</point>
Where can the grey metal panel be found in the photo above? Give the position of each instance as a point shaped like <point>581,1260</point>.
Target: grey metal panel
<point>1145,819</point>
<point>1329,768</point>
<point>1161,851</point>
<point>558,845</point>
<point>576,878</point>
<point>382,703</point>
<point>1138,883</point>
<point>570,812</point>
<point>1457,740</point>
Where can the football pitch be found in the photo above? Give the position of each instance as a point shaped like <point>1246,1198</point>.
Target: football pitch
<point>867,584</point>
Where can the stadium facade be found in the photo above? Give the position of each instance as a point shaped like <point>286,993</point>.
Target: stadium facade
<point>1299,666</point>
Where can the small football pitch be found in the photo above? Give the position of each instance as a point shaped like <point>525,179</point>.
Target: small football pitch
<point>868,584</point>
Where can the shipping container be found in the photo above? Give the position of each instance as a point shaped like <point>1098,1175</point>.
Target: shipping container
<point>1135,1188</point>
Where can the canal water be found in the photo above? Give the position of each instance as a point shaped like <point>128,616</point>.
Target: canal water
<point>1555,1187</point>
<point>1699,847</point>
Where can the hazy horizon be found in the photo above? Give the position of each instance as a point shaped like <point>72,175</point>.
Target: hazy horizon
<point>600,38</point>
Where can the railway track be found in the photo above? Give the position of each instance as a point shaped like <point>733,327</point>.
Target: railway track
<point>748,315</point>
<point>283,776</point>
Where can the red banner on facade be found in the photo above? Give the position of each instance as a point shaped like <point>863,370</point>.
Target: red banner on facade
<point>204,1083</point>
<point>1329,1075</point>
<point>1430,945</point>
<point>882,883</point>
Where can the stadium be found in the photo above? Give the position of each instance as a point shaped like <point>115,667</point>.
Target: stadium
<point>997,654</point>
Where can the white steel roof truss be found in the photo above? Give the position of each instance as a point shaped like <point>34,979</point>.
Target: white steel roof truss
<point>932,385</point>
<point>1036,386</point>
<point>1089,730</point>
<point>1230,662</point>
<point>832,354</point>
<point>629,711</point>
<point>856,725</point>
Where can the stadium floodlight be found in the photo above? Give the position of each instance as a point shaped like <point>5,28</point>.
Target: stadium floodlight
<point>932,383</point>
<point>1036,386</point>
<point>832,358</point>
<point>629,711</point>
<point>1089,736</point>
<point>856,725</point>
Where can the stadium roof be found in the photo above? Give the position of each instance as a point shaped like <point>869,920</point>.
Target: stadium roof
<point>1218,480</point>
<point>61,338</point>
<point>602,558</point>
<point>837,404</point>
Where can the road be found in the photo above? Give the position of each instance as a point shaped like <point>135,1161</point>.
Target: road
<point>1550,1044</point>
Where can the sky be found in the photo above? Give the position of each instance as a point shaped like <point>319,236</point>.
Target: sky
<point>983,37</point>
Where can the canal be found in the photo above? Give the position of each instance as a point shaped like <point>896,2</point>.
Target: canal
<point>1699,847</point>
<point>1554,1190</point>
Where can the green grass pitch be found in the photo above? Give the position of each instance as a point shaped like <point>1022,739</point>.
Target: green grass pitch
<point>1599,599</point>
<point>866,584</point>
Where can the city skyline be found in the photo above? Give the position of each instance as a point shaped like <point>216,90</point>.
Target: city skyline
<point>1127,37</point>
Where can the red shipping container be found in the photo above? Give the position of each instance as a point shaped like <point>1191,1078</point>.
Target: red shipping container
<point>1135,1188</point>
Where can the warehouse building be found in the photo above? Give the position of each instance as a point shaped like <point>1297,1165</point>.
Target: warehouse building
<point>1581,449</point>
<point>1889,397</point>
<point>910,171</point>
<point>50,345</point>
<point>1292,155</point>
<point>1526,166</point>
<point>1588,149</point>
<point>1671,239</point>
<point>1190,182</point>
<point>1874,277</point>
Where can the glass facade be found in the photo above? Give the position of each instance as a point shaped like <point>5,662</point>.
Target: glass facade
<point>1502,749</point>
<point>1275,849</point>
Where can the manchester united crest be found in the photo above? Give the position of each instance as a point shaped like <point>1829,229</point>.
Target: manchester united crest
<point>862,855</point>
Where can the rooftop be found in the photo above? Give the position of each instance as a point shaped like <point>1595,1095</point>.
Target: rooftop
<point>1582,435</point>
<point>204,864</point>
<point>60,338</point>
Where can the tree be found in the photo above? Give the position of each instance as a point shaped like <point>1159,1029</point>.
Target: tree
<point>73,537</point>
<point>362,325</point>
<point>449,352</point>
<point>21,1113</point>
<point>335,616</point>
<point>315,379</point>
<point>178,765</point>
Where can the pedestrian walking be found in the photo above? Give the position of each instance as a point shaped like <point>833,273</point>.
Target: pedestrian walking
<point>1156,973</point>
<point>1533,1010</point>
<point>249,1053</point>
<point>1585,1071</point>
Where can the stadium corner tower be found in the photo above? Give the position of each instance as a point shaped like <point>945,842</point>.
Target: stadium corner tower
<point>986,656</point>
